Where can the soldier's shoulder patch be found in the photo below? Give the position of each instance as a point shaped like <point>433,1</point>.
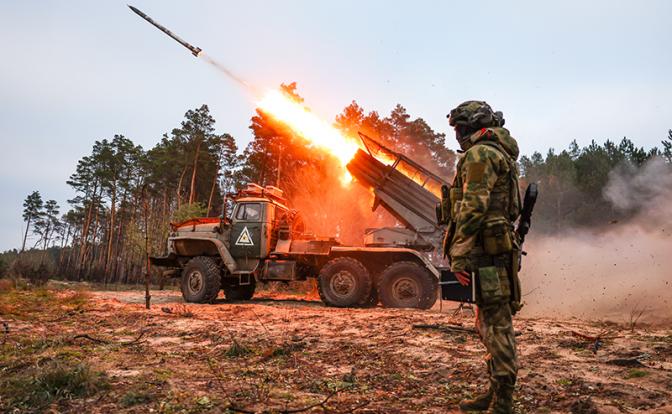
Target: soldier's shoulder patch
<point>486,133</point>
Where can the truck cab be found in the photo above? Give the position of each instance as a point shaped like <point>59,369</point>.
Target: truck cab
<point>255,222</point>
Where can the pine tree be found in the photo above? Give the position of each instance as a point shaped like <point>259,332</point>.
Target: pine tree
<point>667,147</point>
<point>32,211</point>
<point>46,223</point>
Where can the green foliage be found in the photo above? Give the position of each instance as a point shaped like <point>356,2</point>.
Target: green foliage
<point>36,388</point>
<point>635,373</point>
<point>667,147</point>
<point>136,397</point>
<point>47,223</point>
<point>32,211</point>
<point>32,206</point>
<point>565,382</point>
<point>189,211</point>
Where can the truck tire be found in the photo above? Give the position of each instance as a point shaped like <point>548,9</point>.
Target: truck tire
<point>344,282</point>
<point>407,285</point>
<point>235,291</point>
<point>201,280</point>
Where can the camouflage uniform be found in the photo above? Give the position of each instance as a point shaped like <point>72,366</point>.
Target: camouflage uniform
<point>484,203</point>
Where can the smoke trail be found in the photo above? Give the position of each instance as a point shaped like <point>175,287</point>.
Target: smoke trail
<point>240,81</point>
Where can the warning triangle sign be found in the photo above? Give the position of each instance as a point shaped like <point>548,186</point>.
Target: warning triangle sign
<point>245,239</point>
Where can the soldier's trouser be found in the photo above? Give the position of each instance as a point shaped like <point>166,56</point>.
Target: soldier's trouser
<point>496,331</point>
<point>495,328</point>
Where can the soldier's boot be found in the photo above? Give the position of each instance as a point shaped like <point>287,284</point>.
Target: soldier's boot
<point>480,403</point>
<point>502,403</point>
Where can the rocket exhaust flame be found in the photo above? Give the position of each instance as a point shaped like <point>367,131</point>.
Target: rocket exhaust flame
<point>309,127</point>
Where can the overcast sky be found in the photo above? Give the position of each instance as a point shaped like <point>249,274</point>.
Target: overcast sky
<point>72,72</point>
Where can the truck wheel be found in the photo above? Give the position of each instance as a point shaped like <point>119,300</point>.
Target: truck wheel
<point>235,291</point>
<point>407,285</point>
<point>201,280</point>
<point>344,282</point>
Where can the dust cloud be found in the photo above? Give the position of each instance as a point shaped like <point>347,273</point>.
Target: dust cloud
<point>613,272</point>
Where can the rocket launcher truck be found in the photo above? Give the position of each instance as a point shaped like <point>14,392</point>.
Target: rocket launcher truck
<point>264,240</point>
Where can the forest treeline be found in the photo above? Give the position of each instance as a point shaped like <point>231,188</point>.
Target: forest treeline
<point>125,196</point>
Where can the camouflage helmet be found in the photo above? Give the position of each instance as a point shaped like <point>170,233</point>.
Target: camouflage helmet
<point>475,115</point>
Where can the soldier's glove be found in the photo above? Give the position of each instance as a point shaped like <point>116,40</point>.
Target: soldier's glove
<point>463,277</point>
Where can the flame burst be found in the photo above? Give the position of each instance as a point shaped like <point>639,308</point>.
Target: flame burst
<point>308,126</point>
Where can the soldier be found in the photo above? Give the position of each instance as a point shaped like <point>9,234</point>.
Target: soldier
<point>484,203</point>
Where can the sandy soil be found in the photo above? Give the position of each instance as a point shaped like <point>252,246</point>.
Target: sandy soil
<point>278,352</point>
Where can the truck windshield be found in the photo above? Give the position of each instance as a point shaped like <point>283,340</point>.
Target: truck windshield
<point>249,212</point>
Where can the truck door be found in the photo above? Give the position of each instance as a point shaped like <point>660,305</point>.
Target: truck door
<point>246,230</point>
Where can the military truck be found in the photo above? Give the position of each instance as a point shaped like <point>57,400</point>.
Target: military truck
<point>264,240</point>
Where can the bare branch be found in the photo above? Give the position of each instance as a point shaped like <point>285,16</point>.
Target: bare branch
<point>446,328</point>
<point>103,341</point>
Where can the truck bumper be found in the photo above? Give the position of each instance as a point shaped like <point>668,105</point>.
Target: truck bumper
<point>165,261</point>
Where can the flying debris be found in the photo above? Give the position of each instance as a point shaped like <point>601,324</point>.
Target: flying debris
<point>193,49</point>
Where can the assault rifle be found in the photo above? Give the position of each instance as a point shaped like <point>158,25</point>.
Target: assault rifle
<point>526,213</point>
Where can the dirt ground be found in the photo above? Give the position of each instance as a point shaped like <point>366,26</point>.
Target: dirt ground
<point>281,353</point>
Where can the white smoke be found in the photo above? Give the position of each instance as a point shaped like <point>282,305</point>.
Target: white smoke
<point>647,190</point>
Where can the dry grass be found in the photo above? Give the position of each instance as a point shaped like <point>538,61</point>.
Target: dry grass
<point>40,385</point>
<point>282,354</point>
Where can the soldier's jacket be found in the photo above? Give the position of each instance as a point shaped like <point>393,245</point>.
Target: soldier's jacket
<point>484,197</point>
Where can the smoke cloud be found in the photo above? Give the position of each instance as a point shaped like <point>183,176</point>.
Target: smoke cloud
<point>647,190</point>
<point>614,271</point>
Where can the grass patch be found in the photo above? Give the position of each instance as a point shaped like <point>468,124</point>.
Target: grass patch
<point>25,304</point>
<point>237,350</point>
<point>39,386</point>
<point>163,374</point>
<point>284,350</point>
<point>132,398</point>
<point>565,382</point>
<point>635,373</point>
